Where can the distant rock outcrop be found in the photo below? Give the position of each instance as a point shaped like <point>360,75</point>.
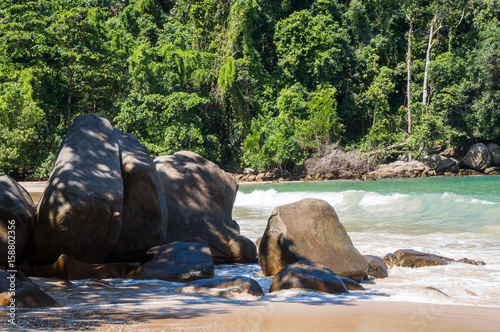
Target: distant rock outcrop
<point>478,157</point>
<point>309,230</point>
<point>200,198</point>
<point>495,154</point>
<point>17,214</point>
<point>80,212</point>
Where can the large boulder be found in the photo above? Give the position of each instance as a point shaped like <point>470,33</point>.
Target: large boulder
<point>478,157</point>
<point>439,163</point>
<point>145,213</point>
<point>70,269</point>
<point>17,219</point>
<point>305,275</point>
<point>200,198</point>
<point>80,212</point>
<point>310,230</point>
<point>179,262</point>
<point>224,287</point>
<point>495,154</point>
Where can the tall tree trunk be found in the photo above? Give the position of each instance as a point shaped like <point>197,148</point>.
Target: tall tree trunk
<point>425,98</point>
<point>70,80</point>
<point>408,67</point>
<point>430,44</point>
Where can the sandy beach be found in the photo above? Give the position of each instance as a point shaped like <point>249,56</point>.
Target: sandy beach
<point>179,313</point>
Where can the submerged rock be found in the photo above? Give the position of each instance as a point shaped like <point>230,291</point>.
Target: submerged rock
<point>179,262</point>
<point>80,211</point>
<point>17,214</point>
<point>200,198</point>
<point>306,275</point>
<point>309,230</point>
<point>224,287</point>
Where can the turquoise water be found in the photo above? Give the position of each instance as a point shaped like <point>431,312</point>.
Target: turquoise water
<point>449,216</point>
<point>405,206</point>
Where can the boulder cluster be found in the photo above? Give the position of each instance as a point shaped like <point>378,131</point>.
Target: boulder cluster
<point>480,159</point>
<point>110,211</point>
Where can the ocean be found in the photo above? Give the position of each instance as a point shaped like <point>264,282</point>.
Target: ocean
<point>456,217</point>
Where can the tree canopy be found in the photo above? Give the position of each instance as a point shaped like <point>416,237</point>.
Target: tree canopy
<point>248,82</point>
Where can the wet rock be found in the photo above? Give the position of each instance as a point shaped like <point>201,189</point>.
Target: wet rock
<point>80,211</point>
<point>351,284</point>
<point>16,290</point>
<point>95,282</point>
<point>145,213</point>
<point>17,214</point>
<point>200,198</point>
<point>413,258</point>
<point>306,275</point>
<point>179,262</point>
<point>224,287</point>
<point>309,230</point>
<point>376,267</point>
<point>478,157</point>
<point>71,269</point>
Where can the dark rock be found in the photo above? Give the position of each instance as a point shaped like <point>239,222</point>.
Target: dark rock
<point>80,212</point>
<point>71,269</point>
<point>413,258</point>
<point>145,214</point>
<point>478,157</point>
<point>308,276</point>
<point>439,163</point>
<point>376,267</point>
<point>200,198</point>
<point>492,170</point>
<point>25,295</point>
<point>470,261</point>
<point>17,214</point>
<point>351,284</point>
<point>226,287</point>
<point>243,250</point>
<point>495,154</point>
<point>178,261</point>
<point>310,230</point>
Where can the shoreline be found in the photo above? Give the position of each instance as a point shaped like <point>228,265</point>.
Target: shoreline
<point>200,313</point>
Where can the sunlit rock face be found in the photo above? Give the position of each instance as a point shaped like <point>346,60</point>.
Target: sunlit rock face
<point>80,213</point>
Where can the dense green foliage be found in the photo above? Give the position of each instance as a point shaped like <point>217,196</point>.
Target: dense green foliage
<point>247,82</point>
